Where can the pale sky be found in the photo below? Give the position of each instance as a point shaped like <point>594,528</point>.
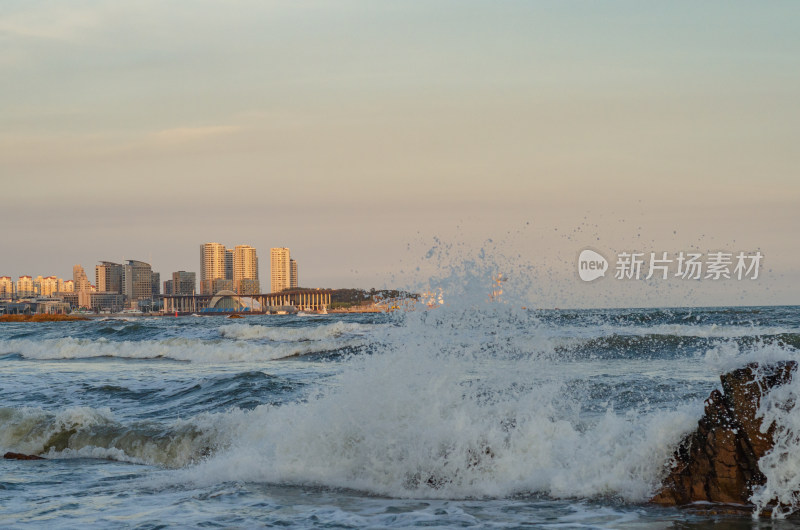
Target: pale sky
<point>357,132</point>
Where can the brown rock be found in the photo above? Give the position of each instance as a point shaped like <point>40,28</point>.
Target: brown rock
<point>20,456</point>
<point>719,461</point>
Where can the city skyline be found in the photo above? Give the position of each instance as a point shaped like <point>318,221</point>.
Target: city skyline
<point>517,133</point>
<point>234,264</point>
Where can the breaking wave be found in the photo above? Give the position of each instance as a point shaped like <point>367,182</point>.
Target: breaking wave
<point>176,348</point>
<point>83,432</point>
<point>454,404</point>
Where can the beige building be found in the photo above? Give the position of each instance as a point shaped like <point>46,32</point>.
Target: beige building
<point>6,287</point>
<point>68,286</point>
<point>47,286</point>
<point>80,279</point>
<point>212,266</point>
<point>25,287</point>
<point>245,267</point>
<point>82,286</point>
<point>280,269</point>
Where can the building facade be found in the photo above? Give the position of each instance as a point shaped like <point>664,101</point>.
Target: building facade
<point>6,288</point>
<point>155,282</point>
<point>107,302</point>
<point>182,282</point>
<point>137,282</point>
<point>280,269</point>
<point>82,286</point>
<point>47,287</point>
<point>229,258</point>
<point>294,281</point>
<point>245,267</point>
<point>81,280</point>
<point>213,258</point>
<point>108,277</point>
<point>25,287</point>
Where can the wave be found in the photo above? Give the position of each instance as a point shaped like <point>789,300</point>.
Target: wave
<point>176,348</point>
<point>296,334</point>
<point>446,408</point>
<point>449,409</point>
<point>657,345</point>
<point>83,432</point>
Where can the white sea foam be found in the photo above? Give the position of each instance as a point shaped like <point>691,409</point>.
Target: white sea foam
<point>440,414</point>
<point>781,465</point>
<point>729,356</point>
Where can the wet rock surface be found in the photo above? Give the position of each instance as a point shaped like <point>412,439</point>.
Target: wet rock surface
<point>718,462</point>
<point>20,456</point>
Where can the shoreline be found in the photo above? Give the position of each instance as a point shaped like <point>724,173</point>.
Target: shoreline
<point>42,317</point>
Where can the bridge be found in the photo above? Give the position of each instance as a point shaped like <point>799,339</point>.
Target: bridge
<point>302,299</point>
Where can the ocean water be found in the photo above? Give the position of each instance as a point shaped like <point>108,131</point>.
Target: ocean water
<point>467,415</point>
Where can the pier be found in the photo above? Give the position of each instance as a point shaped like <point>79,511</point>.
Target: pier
<point>301,299</point>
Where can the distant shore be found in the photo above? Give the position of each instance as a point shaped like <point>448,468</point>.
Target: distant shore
<point>40,318</point>
<point>92,316</point>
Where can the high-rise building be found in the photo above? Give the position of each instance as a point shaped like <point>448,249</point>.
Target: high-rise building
<point>25,287</point>
<point>293,279</point>
<point>69,286</point>
<point>80,279</point>
<point>108,277</point>
<point>47,286</point>
<point>182,282</point>
<point>280,269</point>
<point>137,281</point>
<point>229,264</point>
<point>82,286</point>
<point>155,282</point>
<point>245,267</point>
<point>6,287</point>
<point>213,257</point>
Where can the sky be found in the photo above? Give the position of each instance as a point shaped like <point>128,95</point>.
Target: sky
<point>388,142</point>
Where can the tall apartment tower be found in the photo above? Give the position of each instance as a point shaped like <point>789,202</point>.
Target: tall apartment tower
<point>293,279</point>
<point>245,270</point>
<point>213,257</point>
<point>25,287</point>
<point>47,286</point>
<point>82,286</point>
<point>81,281</point>
<point>229,264</point>
<point>155,283</point>
<point>6,287</point>
<point>280,269</point>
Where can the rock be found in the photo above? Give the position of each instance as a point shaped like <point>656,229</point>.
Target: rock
<point>718,462</point>
<point>20,456</point>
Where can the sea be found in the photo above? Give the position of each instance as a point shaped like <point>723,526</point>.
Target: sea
<point>479,415</point>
